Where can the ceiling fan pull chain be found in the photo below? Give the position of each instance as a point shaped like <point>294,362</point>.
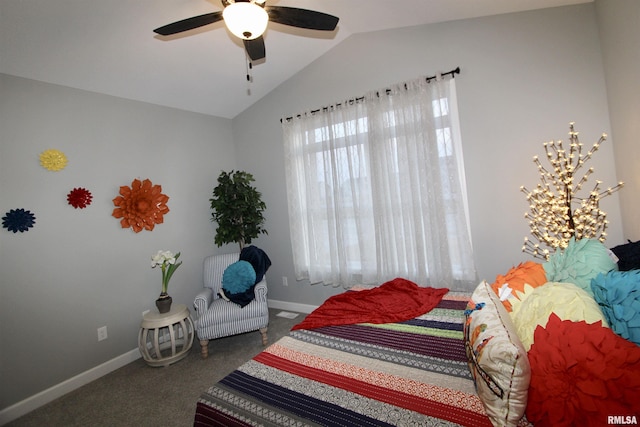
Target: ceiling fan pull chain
<point>249,68</point>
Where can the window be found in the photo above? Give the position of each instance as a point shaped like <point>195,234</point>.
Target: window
<point>376,190</point>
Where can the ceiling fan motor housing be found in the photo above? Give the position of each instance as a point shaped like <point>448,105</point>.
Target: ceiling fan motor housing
<point>246,20</point>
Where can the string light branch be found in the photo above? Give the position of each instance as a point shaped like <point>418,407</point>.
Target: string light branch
<point>557,212</point>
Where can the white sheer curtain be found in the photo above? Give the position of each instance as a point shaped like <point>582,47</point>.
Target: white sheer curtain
<point>376,190</point>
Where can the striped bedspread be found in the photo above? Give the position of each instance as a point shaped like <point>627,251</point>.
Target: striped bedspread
<point>411,373</point>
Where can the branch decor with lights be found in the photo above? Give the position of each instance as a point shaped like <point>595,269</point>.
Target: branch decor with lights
<point>558,207</point>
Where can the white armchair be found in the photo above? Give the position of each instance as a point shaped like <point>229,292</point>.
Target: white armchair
<point>217,317</point>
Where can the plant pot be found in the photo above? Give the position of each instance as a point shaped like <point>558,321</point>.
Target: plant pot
<point>164,303</point>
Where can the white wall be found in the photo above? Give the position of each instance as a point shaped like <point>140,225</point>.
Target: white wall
<point>524,77</point>
<point>619,24</point>
<point>77,269</point>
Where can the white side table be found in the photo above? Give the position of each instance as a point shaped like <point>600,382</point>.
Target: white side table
<point>166,338</point>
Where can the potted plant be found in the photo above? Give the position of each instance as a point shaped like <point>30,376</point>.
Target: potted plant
<point>237,208</point>
<point>168,263</point>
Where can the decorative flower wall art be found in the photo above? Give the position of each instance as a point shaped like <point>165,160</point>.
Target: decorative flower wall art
<point>53,160</point>
<point>140,206</point>
<point>79,198</point>
<point>18,220</point>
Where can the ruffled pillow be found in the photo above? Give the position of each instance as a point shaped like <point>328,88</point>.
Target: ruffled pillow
<point>497,360</point>
<point>506,287</point>
<point>580,262</point>
<point>520,297</point>
<point>618,294</point>
<point>581,374</point>
<point>566,300</point>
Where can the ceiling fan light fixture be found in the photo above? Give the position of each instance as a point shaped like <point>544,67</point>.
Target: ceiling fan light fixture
<point>245,20</point>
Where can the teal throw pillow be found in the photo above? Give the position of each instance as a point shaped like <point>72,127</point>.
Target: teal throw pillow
<point>238,277</point>
<point>618,294</point>
<point>580,262</point>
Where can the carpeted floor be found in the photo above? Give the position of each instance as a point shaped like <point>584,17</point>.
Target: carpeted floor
<point>139,395</point>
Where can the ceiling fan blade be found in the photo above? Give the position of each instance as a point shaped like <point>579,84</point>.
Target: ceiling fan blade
<point>302,18</point>
<point>255,48</point>
<point>189,24</point>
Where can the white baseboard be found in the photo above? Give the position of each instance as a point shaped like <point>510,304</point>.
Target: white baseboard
<point>291,306</point>
<point>37,400</point>
<point>29,404</point>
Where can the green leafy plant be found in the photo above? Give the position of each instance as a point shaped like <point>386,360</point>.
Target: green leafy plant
<point>237,208</point>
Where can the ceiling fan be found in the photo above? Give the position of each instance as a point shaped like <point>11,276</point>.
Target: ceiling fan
<point>247,20</point>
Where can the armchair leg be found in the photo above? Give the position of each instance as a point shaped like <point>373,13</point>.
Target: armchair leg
<point>204,351</point>
<point>265,339</point>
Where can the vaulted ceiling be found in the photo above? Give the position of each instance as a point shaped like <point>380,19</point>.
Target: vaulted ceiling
<point>109,46</point>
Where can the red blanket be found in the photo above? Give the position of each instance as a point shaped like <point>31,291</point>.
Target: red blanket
<point>393,301</point>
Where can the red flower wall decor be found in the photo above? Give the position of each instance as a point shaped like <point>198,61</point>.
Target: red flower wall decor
<point>79,198</point>
<point>140,206</point>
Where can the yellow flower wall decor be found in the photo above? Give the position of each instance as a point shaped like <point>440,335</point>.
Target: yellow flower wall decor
<point>140,206</point>
<point>53,160</point>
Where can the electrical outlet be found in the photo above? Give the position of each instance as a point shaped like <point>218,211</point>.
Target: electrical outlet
<point>285,281</point>
<point>102,333</point>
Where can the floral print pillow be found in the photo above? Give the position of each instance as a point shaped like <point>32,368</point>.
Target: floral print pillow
<point>497,359</point>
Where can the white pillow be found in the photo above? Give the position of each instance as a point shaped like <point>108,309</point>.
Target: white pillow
<point>497,359</point>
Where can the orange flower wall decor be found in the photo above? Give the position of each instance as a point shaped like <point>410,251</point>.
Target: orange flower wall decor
<point>140,206</point>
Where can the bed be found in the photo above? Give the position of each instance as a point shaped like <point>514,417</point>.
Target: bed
<point>412,372</point>
<point>554,343</point>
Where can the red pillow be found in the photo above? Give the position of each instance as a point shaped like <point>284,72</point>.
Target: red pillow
<point>581,374</point>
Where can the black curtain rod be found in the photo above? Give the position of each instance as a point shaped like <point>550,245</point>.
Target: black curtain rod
<point>354,100</point>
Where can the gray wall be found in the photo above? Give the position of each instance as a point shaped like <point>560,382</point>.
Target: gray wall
<point>524,77</point>
<point>619,24</point>
<point>77,269</point>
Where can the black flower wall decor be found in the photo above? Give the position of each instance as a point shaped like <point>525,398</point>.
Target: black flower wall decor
<point>18,220</point>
